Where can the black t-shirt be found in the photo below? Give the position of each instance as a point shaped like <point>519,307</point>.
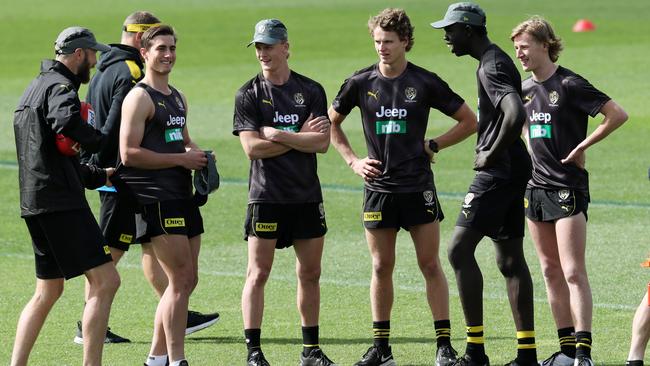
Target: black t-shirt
<point>558,110</point>
<point>395,113</point>
<point>497,77</point>
<point>163,133</point>
<point>290,177</point>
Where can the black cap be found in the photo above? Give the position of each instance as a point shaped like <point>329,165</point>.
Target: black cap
<point>77,37</point>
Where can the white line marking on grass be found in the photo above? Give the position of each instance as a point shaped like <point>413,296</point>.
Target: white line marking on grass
<point>11,165</point>
<point>345,283</point>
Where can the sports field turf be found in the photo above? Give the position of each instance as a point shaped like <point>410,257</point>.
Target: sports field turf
<point>329,41</point>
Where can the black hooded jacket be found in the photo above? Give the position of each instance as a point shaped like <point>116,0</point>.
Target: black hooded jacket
<point>50,181</point>
<point>118,71</point>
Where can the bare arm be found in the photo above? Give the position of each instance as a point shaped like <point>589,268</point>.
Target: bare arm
<point>136,109</point>
<point>256,147</point>
<point>313,137</point>
<point>615,116</point>
<point>514,116</point>
<point>366,167</point>
<point>465,127</point>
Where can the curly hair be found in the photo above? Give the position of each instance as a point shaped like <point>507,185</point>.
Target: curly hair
<point>394,20</point>
<point>541,30</point>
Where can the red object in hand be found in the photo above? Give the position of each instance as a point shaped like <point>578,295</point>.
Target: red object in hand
<point>68,146</point>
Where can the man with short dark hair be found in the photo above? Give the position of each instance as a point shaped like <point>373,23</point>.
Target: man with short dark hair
<point>493,206</point>
<point>558,104</point>
<point>157,157</point>
<point>395,98</point>
<point>281,120</point>
<point>52,195</point>
<point>118,70</point>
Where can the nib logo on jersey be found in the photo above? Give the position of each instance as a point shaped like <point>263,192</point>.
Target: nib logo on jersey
<point>395,124</point>
<point>175,133</point>
<point>540,125</point>
<point>286,122</point>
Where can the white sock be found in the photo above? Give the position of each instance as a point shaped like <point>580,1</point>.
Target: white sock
<point>156,360</point>
<point>177,363</point>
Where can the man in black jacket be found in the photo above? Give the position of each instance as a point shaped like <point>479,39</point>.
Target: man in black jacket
<point>118,70</point>
<point>66,239</point>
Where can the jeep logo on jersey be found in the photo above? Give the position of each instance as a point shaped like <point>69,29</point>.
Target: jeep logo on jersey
<point>410,93</point>
<point>553,97</point>
<point>176,121</point>
<point>173,135</point>
<point>390,127</point>
<point>286,118</point>
<point>298,98</point>
<point>391,112</point>
<point>540,117</point>
<point>540,131</point>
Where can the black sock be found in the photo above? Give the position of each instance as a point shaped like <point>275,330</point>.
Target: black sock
<point>381,334</point>
<point>583,344</point>
<point>634,363</point>
<point>475,343</point>
<point>526,348</point>
<point>567,339</point>
<point>252,339</point>
<point>443,332</point>
<point>309,339</point>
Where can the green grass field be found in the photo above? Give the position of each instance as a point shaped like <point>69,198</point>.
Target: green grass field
<point>329,41</point>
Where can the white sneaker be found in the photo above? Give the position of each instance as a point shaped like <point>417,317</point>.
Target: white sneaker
<point>558,359</point>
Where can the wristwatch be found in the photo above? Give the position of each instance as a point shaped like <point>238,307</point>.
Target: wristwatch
<point>433,145</point>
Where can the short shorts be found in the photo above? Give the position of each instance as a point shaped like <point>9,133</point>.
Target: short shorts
<point>400,210</point>
<point>285,222</point>
<point>553,204</point>
<point>172,217</point>
<point>494,206</point>
<point>67,243</point>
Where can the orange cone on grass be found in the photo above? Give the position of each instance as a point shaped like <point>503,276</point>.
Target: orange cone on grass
<point>584,25</point>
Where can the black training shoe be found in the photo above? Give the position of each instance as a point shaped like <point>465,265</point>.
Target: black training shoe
<point>256,358</point>
<point>197,321</point>
<point>376,357</point>
<point>467,360</point>
<point>110,336</point>
<point>316,357</point>
<point>446,355</point>
<point>557,359</point>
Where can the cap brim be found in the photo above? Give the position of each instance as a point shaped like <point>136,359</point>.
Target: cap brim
<point>265,40</point>
<point>101,47</point>
<point>442,23</point>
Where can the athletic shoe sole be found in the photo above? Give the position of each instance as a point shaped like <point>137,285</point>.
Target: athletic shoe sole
<point>196,328</point>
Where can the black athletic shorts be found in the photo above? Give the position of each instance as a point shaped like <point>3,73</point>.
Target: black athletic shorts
<point>494,206</point>
<point>285,222</point>
<point>117,220</point>
<point>173,217</point>
<point>552,204</point>
<point>66,243</point>
<point>395,210</point>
